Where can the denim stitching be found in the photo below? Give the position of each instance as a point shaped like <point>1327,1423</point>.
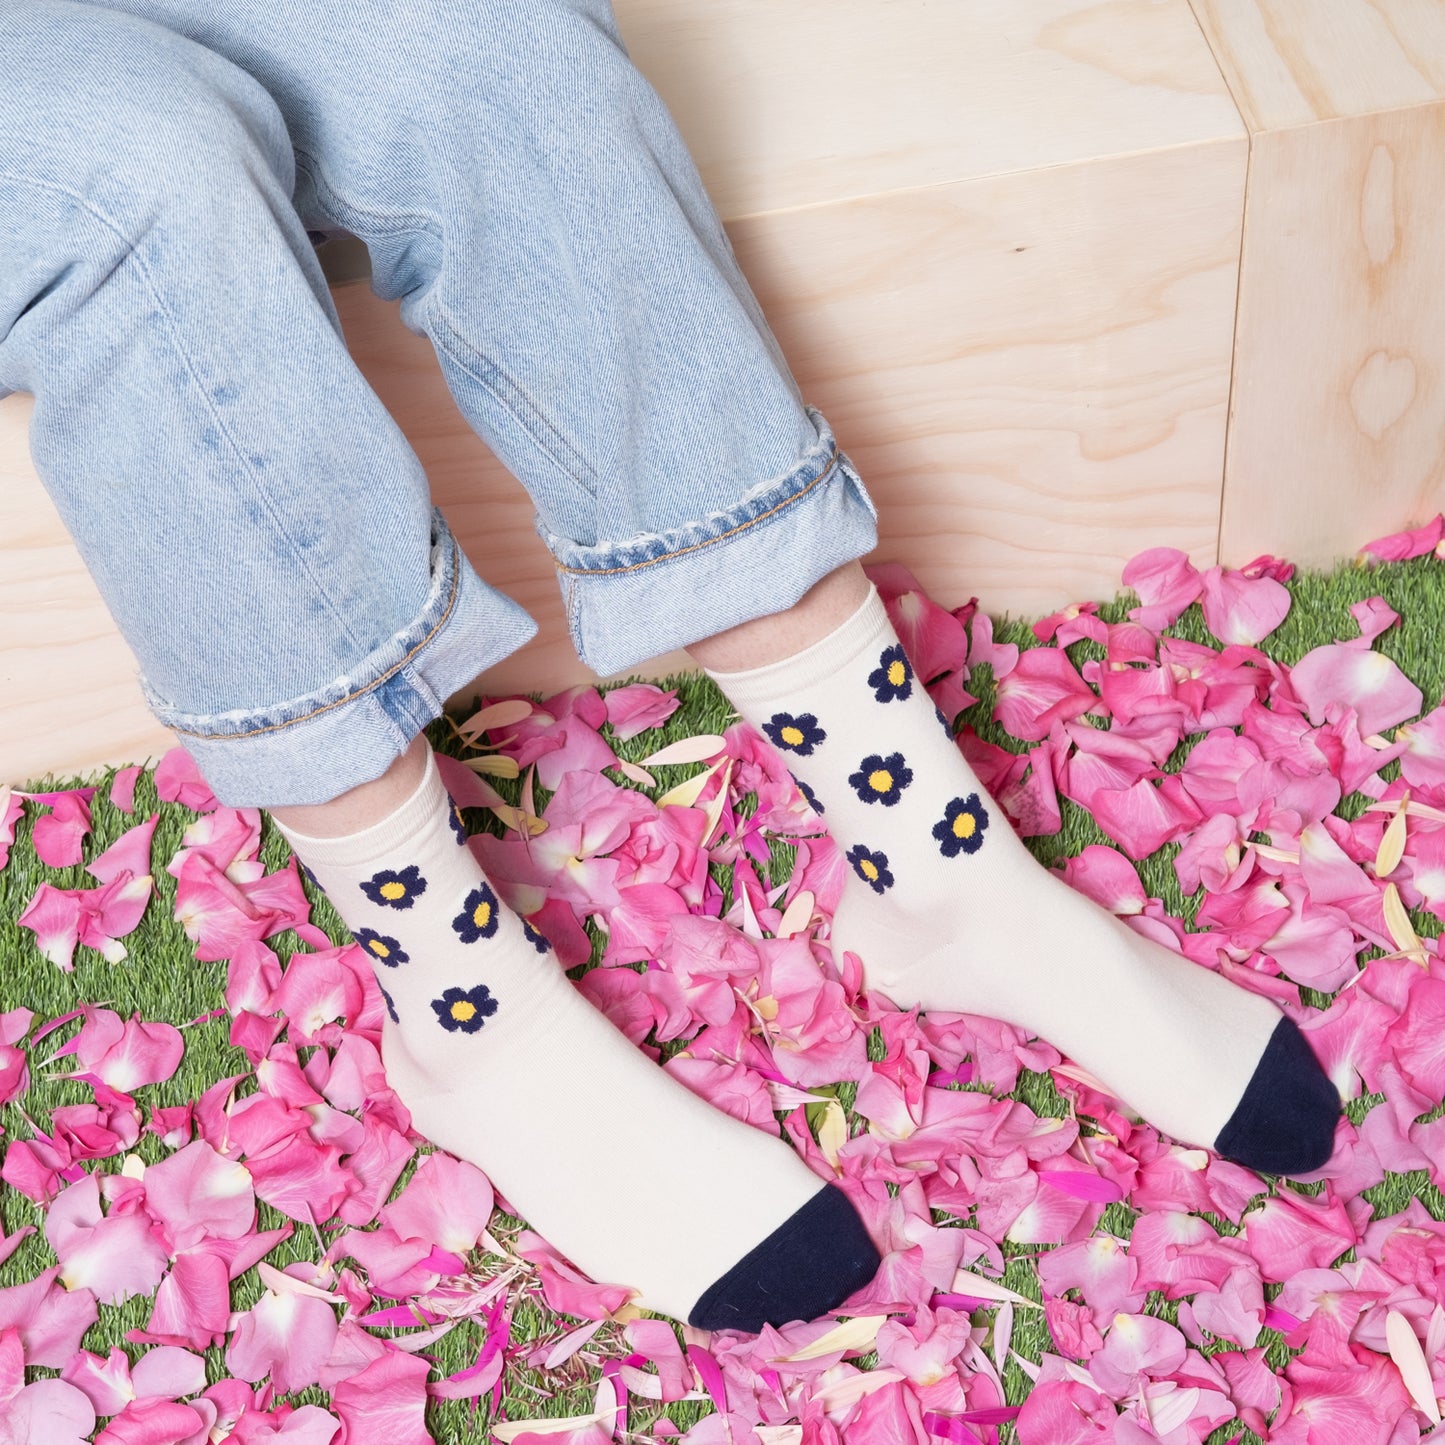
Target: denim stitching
<point>343,213</point>
<point>351,696</point>
<point>266,499</point>
<point>441,321</point>
<point>707,541</point>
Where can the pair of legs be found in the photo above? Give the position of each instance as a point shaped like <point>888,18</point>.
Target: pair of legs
<point>264,538</point>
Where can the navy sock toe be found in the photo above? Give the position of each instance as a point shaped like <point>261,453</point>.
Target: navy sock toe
<point>811,1262</point>
<point>1285,1123</point>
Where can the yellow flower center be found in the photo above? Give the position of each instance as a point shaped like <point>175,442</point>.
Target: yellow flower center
<point>461,822</point>
<point>792,736</point>
<point>380,949</point>
<point>462,1010</point>
<point>482,914</point>
<point>393,890</point>
<point>870,870</point>
<point>964,825</point>
<point>880,780</point>
<point>895,673</point>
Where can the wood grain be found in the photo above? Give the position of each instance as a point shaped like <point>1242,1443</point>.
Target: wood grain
<point>1292,62</point>
<point>813,101</point>
<point>1338,431</point>
<point>1030,371</point>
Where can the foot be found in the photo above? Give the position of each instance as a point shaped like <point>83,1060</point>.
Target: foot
<point>947,909</point>
<point>502,1062</point>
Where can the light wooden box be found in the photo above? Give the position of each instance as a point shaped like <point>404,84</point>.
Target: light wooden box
<point>1069,279</point>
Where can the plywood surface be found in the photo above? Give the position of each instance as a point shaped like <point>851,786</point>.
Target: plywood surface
<point>1339,394</point>
<point>1031,372</point>
<point>1291,62</point>
<point>812,101</point>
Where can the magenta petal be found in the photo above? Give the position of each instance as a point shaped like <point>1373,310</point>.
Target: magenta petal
<point>53,916</point>
<point>178,780</point>
<point>122,788</point>
<point>1166,583</point>
<point>1107,877</point>
<point>51,1411</point>
<point>1042,689</point>
<point>384,1403</point>
<point>114,1258</point>
<point>51,1320</point>
<point>948,1427</point>
<point>1081,1184</point>
<point>446,1203</point>
<point>1400,546</point>
<point>1369,682</point>
<point>1142,818</point>
<point>195,1195</point>
<point>130,853</point>
<point>154,1422</point>
<point>1240,609</point>
<point>129,1055</point>
<point>286,1336</point>
<point>167,1373</point>
<point>58,835</point>
<point>711,1376</point>
<point>193,1303</point>
<point>638,707</point>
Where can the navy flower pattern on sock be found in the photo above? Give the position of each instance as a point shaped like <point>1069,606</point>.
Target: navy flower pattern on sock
<point>535,938</point>
<point>454,817</point>
<point>880,779</point>
<point>871,867</point>
<point>478,918</point>
<point>310,877</point>
<point>962,827</point>
<point>800,734</point>
<point>464,1010</point>
<point>382,946</point>
<point>892,679</point>
<point>944,723</point>
<point>809,796</point>
<point>393,888</point>
<point>390,1007</point>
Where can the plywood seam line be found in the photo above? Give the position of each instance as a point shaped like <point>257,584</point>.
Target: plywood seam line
<point>1238,285</point>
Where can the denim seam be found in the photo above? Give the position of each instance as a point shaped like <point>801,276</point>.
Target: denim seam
<point>131,253</point>
<point>358,692</point>
<point>707,541</point>
<point>343,212</point>
<point>580,474</point>
<point>346,214</point>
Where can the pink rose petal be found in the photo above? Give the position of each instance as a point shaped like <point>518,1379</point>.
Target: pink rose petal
<point>1344,676</point>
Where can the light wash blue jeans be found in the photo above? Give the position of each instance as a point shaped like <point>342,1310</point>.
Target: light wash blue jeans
<point>255,520</point>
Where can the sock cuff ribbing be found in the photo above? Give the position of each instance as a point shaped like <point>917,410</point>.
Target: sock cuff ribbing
<point>857,635</point>
<point>415,815</point>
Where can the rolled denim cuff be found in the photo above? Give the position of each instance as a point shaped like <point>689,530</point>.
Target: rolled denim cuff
<point>310,749</point>
<point>631,600</point>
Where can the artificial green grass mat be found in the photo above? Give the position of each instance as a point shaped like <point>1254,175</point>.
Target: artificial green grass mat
<point>162,980</point>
